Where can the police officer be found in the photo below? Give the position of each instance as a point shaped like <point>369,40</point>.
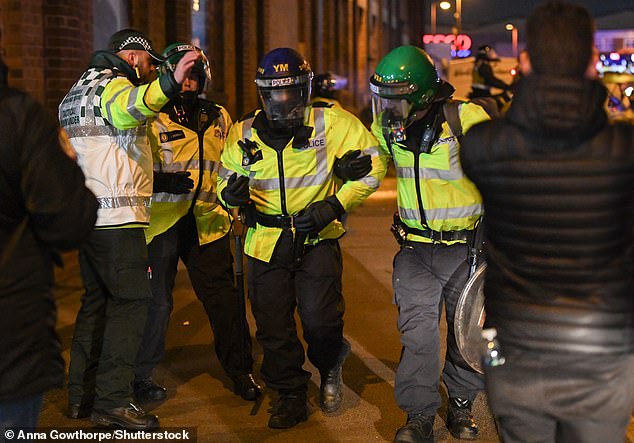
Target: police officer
<point>188,223</point>
<point>438,208</point>
<point>279,163</point>
<point>105,114</point>
<point>483,78</point>
<point>326,89</point>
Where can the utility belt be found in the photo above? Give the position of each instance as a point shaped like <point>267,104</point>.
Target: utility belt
<point>285,222</point>
<point>439,236</point>
<point>400,231</point>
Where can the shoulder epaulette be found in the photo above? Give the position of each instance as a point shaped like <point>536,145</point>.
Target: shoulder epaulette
<point>322,104</point>
<point>247,116</point>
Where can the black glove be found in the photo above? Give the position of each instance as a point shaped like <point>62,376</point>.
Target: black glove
<point>173,182</point>
<point>353,165</point>
<point>237,191</point>
<point>318,215</point>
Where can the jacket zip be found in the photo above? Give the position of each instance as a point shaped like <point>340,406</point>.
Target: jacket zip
<point>200,133</point>
<point>280,168</point>
<point>423,220</point>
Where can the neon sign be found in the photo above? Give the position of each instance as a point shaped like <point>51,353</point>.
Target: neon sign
<point>460,44</point>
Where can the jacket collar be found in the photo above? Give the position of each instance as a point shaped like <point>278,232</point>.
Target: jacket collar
<point>559,107</point>
<point>109,60</point>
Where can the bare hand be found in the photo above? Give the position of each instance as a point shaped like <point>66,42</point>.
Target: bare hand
<point>185,65</point>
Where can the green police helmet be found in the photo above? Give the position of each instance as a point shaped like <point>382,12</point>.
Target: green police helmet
<point>174,52</point>
<point>406,72</point>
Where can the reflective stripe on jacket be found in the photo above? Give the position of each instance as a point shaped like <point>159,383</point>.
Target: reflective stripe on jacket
<point>104,115</point>
<point>177,148</point>
<point>451,201</point>
<point>284,183</point>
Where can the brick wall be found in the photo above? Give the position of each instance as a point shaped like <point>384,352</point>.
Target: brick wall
<point>67,36</point>
<point>47,43</point>
<point>23,45</point>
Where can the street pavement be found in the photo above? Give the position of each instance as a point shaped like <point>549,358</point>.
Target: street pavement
<point>200,394</point>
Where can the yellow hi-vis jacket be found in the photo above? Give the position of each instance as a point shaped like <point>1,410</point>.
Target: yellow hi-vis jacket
<point>451,202</point>
<point>177,148</point>
<point>105,115</point>
<point>285,182</point>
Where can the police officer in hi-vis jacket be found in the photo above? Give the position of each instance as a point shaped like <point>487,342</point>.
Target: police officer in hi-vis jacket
<point>105,115</point>
<point>279,164</point>
<point>187,223</point>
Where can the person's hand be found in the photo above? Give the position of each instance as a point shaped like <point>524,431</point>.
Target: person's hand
<point>185,65</point>
<point>318,215</point>
<point>353,165</point>
<point>173,182</point>
<point>237,191</point>
<point>66,145</point>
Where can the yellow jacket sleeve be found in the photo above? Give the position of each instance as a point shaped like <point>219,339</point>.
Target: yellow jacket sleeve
<point>127,106</point>
<point>349,134</point>
<point>230,161</point>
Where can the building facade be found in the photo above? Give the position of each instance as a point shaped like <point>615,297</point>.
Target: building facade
<point>47,43</point>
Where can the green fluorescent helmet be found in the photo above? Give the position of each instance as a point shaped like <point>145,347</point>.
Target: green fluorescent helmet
<point>406,72</point>
<point>174,52</point>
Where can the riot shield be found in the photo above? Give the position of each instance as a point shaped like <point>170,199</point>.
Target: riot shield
<point>469,319</point>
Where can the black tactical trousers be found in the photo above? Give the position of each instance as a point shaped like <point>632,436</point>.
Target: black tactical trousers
<point>111,318</point>
<point>314,288</point>
<point>210,269</point>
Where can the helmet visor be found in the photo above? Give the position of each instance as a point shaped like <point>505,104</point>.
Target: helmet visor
<point>285,106</point>
<point>389,112</point>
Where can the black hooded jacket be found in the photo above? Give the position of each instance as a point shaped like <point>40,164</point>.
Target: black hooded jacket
<point>557,181</point>
<point>45,207</point>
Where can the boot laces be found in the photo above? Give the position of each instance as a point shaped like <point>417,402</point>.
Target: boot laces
<point>288,403</point>
<point>460,409</point>
<point>332,376</point>
<point>424,423</point>
<point>135,410</point>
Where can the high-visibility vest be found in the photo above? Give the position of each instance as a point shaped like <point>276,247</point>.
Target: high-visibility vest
<point>451,202</point>
<point>177,148</point>
<point>287,181</point>
<point>105,117</point>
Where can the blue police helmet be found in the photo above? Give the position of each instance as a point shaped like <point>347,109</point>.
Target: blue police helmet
<point>283,81</point>
<point>282,62</point>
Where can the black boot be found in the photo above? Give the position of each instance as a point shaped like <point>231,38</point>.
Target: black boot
<point>459,419</point>
<point>331,389</point>
<point>79,410</point>
<point>290,410</point>
<point>146,391</point>
<point>246,387</point>
<point>127,417</point>
<point>418,429</point>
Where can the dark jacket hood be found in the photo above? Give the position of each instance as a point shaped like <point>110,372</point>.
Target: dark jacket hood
<point>110,60</point>
<point>559,107</point>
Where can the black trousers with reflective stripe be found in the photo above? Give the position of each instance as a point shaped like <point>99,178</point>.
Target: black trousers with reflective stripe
<point>210,269</point>
<point>110,321</point>
<point>276,290</point>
